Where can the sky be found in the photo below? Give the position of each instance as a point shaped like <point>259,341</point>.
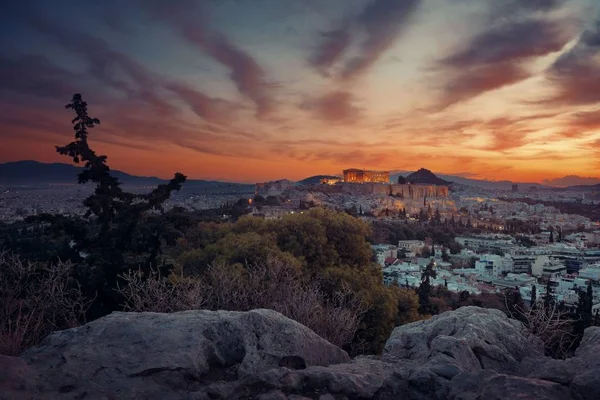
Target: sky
<point>255,90</point>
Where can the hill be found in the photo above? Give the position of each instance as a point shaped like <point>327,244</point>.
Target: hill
<point>425,176</point>
<point>481,183</point>
<point>572,180</point>
<point>33,173</point>
<point>313,180</point>
<point>583,188</point>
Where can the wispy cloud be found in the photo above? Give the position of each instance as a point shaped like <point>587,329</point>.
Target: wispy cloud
<point>576,73</point>
<point>245,72</point>
<point>335,107</point>
<point>381,22</point>
<point>35,75</point>
<point>496,57</point>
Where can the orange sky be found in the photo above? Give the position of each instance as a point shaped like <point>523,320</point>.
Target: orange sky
<point>290,89</point>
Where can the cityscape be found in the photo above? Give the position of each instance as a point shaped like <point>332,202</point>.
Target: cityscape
<point>565,251</point>
<point>300,200</point>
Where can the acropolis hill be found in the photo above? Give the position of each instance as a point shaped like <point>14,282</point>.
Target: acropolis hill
<point>360,182</point>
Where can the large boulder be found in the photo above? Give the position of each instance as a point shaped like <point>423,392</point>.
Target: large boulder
<point>468,354</point>
<point>579,372</point>
<point>132,355</point>
<point>470,338</point>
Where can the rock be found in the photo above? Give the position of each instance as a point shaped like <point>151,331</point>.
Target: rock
<point>579,372</point>
<point>468,354</point>
<point>360,378</point>
<point>584,367</point>
<point>17,379</point>
<point>472,338</point>
<point>143,354</point>
<point>489,385</point>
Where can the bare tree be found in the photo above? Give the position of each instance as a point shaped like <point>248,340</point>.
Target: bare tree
<point>548,323</point>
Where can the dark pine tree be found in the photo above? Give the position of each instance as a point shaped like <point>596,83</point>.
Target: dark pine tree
<point>548,296</point>
<point>445,255</point>
<point>424,289</point>
<point>112,236</point>
<point>584,316</point>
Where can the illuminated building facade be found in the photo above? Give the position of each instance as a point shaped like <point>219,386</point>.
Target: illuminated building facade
<point>366,176</point>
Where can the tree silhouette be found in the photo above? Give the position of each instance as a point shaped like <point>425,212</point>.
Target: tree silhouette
<point>424,289</point>
<point>113,240</point>
<point>584,311</point>
<point>548,297</point>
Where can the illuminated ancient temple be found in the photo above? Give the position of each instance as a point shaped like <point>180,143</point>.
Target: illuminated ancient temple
<point>365,176</point>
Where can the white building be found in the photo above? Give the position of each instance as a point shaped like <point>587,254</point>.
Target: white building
<point>411,245</point>
<point>492,264</point>
<point>592,272</point>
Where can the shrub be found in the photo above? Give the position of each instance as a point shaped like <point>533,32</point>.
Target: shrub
<point>273,284</point>
<point>34,301</point>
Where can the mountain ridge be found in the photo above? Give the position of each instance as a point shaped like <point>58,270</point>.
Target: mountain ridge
<point>30,172</point>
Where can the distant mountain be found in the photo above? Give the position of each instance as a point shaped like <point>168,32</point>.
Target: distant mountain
<point>481,183</point>
<point>583,188</point>
<point>572,180</point>
<point>313,180</point>
<point>425,176</point>
<point>31,173</point>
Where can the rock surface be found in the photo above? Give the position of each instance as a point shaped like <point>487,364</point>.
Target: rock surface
<point>467,354</point>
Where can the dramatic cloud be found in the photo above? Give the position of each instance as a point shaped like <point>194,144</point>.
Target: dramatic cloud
<point>108,66</point>
<point>510,42</point>
<point>496,57</point>
<point>179,85</point>
<point>335,107</point>
<point>37,76</point>
<point>480,79</point>
<point>209,108</point>
<point>576,73</point>
<point>247,75</point>
<point>381,21</point>
<point>334,43</point>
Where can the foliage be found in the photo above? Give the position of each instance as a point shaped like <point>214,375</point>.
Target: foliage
<point>554,327</point>
<point>323,245</point>
<point>272,284</point>
<point>524,241</point>
<point>424,290</point>
<point>34,301</point>
<point>584,316</point>
<point>119,233</point>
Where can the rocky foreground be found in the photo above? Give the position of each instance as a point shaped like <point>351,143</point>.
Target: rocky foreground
<point>468,354</point>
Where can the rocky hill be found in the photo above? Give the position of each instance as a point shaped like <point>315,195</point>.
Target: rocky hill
<point>425,176</point>
<point>470,353</point>
<point>316,179</point>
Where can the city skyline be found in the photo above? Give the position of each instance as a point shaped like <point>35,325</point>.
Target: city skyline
<point>254,91</point>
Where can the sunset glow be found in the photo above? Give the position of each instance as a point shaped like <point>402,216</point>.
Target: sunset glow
<point>250,91</point>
